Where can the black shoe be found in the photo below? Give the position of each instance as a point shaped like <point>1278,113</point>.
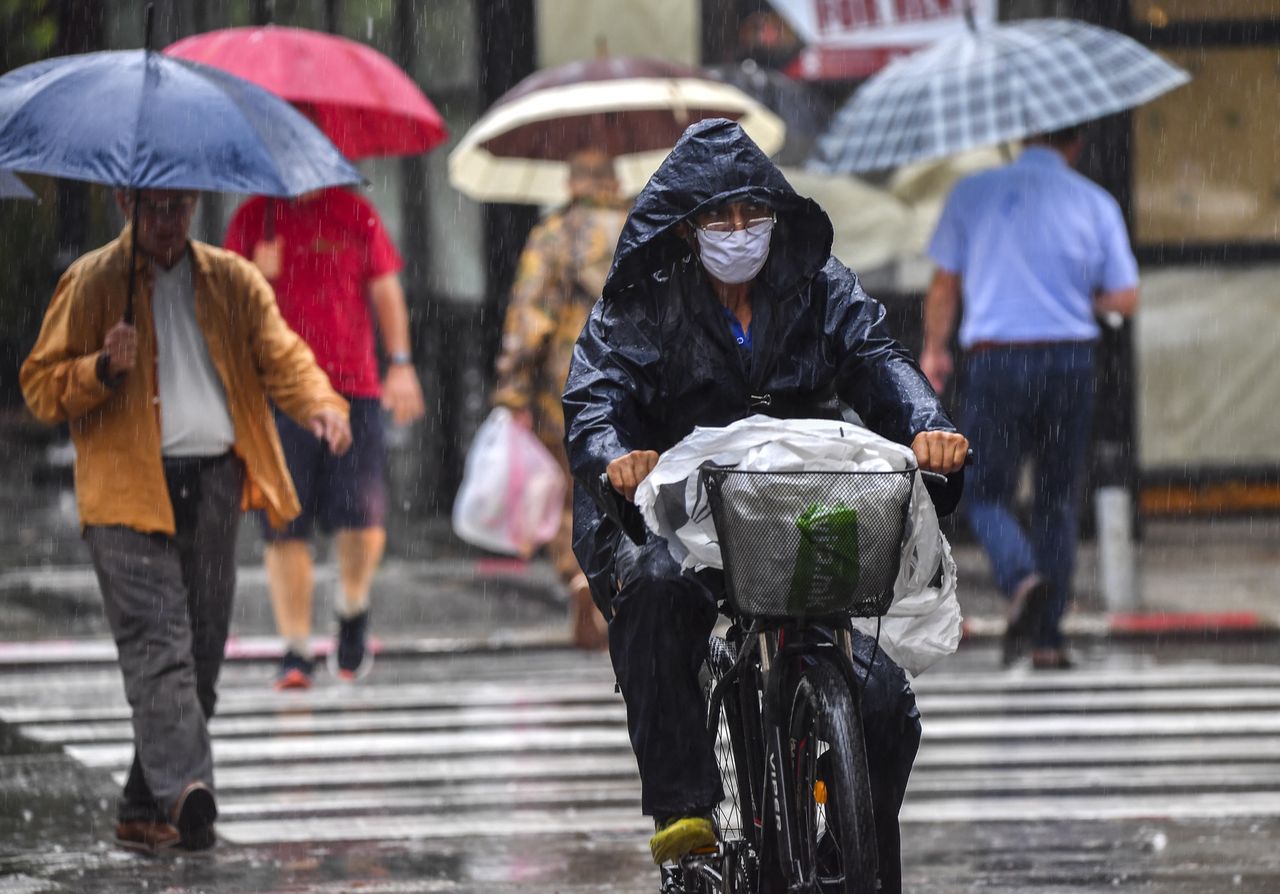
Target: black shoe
<point>295,672</point>
<point>350,659</point>
<point>193,817</point>
<point>1025,614</point>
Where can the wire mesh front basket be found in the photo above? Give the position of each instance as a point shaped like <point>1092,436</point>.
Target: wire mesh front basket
<point>809,544</point>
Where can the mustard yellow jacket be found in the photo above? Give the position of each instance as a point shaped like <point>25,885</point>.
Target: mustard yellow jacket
<point>116,431</point>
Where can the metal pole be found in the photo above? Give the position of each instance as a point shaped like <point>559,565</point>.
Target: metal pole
<point>263,11</point>
<point>1115,476</point>
<point>413,185</point>
<point>1117,559</point>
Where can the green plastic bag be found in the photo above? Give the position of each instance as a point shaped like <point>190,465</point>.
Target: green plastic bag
<point>827,559</point>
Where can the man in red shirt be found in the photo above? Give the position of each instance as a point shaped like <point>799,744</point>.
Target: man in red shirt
<point>330,260</point>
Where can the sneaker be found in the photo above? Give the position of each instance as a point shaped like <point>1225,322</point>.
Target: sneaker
<point>147,836</point>
<point>350,659</point>
<point>680,836</point>
<point>295,672</point>
<point>193,817</point>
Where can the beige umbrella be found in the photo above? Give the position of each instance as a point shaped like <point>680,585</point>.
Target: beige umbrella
<point>634,109</point>
<point>924,187</point>
<point>871,224</point>
<point>875,225</point>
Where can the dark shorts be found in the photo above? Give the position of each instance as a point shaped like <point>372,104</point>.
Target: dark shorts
<point>336,492</point>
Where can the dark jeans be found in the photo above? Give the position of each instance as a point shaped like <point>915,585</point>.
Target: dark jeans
<point>1029,403</point>
<point>168,602</point>
<point>662,619</point>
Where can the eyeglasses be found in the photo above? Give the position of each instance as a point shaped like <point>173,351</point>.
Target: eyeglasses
<point>178,207</point>
<point>721,230</point>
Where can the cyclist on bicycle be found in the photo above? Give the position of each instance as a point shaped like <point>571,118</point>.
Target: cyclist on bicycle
<point>724,301</point>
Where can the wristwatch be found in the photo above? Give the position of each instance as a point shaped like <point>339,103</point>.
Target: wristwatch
<point>102,368</point>
<point>400,358</point>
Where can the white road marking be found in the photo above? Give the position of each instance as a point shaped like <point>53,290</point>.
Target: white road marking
<point>536,744</point>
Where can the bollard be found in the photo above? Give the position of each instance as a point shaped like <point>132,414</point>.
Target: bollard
<point>1117,560</point>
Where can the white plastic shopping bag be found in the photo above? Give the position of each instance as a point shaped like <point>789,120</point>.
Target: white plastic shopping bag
<point>924,621</point>
<point>512,493</point>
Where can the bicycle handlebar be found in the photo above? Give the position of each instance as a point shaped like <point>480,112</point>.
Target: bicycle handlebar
<point>621,511</point>
<point>944,490</point>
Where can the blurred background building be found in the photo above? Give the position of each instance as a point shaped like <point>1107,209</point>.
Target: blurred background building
<point>1188,396</point>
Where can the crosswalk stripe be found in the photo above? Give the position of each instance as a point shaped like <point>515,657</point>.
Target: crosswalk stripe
<point>398,774</point>
<point>468,797</point>
<point>536,744</point>
<point>241,713</point>
<point>500,825</point>
<point>1107,679</point>
<point>356,721</point>
<point>1087,753</point>
<point>425,745</point>
<point>1076,726</point>
<point>1097,808</point>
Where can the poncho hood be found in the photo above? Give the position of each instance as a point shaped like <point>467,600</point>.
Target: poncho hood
<point>714,163</point>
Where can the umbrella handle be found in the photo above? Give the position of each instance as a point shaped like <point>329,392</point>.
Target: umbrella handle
<point>133,260</point>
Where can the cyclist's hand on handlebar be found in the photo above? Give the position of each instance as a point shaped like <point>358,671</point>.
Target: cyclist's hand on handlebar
<point>940,451</point>
<point>627,471</point>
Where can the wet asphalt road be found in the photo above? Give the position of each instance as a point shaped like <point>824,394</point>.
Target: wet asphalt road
<point>1148,769</point>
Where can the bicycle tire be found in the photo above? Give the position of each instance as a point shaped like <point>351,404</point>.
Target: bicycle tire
<point>834,823</point>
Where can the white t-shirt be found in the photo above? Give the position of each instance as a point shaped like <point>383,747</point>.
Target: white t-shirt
<point>194,420</point>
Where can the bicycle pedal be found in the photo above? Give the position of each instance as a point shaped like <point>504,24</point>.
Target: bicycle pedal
<point>709,851</point>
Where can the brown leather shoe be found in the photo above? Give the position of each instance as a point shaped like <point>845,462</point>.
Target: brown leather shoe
<point>193,815</point>
<point>1023,620</point>
<point>146,836</point>
<point>1052,659</point>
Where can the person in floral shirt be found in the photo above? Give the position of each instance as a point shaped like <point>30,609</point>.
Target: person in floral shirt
<point>561,273</point>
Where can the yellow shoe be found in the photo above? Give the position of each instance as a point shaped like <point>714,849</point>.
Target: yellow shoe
<point>678,837</point>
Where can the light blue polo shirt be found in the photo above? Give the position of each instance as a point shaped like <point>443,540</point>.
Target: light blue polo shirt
<point>1032,242</point>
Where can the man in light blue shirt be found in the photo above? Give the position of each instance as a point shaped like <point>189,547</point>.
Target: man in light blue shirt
<point>1036,252</point>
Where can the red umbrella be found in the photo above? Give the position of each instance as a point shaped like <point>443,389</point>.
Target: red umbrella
<point>361,99</point>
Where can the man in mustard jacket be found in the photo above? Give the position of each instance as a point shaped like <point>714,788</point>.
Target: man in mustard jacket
<point>174,437</point>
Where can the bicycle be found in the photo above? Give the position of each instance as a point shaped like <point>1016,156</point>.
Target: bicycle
<point>782,692</point>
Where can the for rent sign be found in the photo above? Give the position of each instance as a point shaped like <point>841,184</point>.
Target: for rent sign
<point>854,38</point>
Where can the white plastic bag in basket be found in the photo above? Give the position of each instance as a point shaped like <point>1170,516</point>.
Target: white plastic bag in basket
<point>923,622</point>
<point>512,493</point>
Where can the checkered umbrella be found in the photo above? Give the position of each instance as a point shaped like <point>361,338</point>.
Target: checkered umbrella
<point>985,87</point>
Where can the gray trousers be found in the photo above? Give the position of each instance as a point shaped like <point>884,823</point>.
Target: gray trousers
<point>168,602</point>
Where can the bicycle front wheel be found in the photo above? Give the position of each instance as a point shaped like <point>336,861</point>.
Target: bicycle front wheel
<point>834,824</point>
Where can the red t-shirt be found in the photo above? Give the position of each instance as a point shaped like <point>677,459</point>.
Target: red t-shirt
<point>333,244</point>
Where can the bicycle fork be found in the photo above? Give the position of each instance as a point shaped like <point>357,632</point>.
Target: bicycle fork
<point>778,764</point>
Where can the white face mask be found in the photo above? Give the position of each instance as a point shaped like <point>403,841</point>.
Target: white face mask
<point>735,258</point>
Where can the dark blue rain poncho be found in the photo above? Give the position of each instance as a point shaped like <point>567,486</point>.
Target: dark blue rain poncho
<point>656,357</point>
